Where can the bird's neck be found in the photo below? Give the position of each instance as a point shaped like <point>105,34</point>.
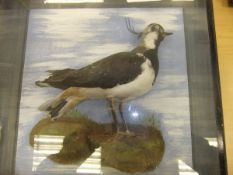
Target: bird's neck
<point>151,54</point>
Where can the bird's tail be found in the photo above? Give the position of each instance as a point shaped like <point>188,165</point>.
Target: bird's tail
<point>42,84</point>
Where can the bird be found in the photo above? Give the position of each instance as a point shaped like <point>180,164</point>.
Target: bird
<point>118,78</point>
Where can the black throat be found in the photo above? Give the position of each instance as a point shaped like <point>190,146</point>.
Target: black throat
<point>151,54</point>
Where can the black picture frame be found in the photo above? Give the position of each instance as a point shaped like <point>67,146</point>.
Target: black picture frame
<point>231,2</point>
<point>7,151</point>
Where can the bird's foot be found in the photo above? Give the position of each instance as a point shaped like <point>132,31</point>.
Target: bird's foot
<point>54,119</point>
<point>126,133</point>
<point>130,133</point>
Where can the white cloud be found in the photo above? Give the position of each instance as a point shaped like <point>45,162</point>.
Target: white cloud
<point>70,25</point>
<point>105,49</point>
<point>64,55</point>
<point>51,64</point>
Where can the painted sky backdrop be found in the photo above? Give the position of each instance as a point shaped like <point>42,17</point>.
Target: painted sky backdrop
<point>73,38</point>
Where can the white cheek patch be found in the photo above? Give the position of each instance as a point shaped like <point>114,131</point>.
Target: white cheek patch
<point>149,40</point>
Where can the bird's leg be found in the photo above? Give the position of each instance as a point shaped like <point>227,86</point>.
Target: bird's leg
<point>122,117</point>
<point>114,116</point>
<point>71,102</point>
<point>51,104</point>
<point>72,91</point>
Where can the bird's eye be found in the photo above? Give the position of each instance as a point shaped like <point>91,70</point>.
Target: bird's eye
<point>153,28</point>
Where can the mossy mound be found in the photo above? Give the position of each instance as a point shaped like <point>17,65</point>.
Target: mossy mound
<point>133,153</point>
<point>65,126</point>
<point>138,152</point>
<point>81,137</point>
<point>76,148</point>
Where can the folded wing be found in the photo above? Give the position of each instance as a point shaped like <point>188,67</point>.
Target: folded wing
<point>116,69</point>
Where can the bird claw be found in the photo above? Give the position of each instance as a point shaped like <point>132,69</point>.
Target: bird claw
<point>54,119</point>
<point>126,133</point>
<point>129,133</point>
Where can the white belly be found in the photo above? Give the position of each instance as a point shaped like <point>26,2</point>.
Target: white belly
<point>142,84</point>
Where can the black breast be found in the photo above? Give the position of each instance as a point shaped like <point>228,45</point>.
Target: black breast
<point>153,57</point>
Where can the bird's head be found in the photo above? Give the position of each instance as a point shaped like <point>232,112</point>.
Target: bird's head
<point>151,36</point>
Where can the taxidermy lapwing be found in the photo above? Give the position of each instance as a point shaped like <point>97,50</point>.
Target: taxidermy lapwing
<point>118,78</point>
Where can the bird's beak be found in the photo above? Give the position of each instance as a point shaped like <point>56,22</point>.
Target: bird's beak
<point>167,33</point>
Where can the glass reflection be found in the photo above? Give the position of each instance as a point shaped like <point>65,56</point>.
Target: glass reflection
<point>45,145</point>
<point>72,1</point>
<point>91,165</point>
<point>212,141</point>
<point>135,114</point>
<point>185,169</point>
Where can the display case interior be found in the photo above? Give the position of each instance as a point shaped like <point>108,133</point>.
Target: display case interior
<point>109,87</point>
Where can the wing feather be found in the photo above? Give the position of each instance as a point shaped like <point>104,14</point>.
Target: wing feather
<point>116,69</point>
